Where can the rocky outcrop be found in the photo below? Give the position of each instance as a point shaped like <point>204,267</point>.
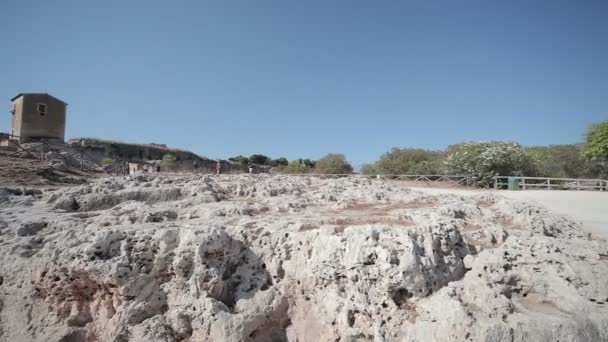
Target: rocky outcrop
<point>261,258</point>
<point>98,149</point>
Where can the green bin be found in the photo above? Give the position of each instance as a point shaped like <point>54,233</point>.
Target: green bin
<point>513,183</point>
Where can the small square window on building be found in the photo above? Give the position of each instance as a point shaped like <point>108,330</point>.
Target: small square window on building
<point>42,108</point>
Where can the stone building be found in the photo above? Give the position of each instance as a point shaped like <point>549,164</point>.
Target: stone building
<point>37,116</point>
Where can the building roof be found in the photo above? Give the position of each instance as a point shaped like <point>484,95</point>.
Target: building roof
<point>21,94</point>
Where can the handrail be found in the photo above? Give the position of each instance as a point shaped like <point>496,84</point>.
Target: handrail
<point>550,183</point>
<point>370,175</point>
<point>452,179</point>
<point>565,179</point>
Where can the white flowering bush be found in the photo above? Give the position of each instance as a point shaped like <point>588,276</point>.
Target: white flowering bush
<point>481,161</point>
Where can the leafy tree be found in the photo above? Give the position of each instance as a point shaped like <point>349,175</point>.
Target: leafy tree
<point>279,162</point>
<point>259,159</point>
<point>410,161</point>
<point>240,159</point>
<point>168,162</point>
<point>563,161</point>
<point>309,163</point>
<point>596,142</point>
<point>333,163</point>
<point>481,161</point>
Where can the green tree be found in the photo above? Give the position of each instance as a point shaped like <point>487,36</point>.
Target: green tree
<point>259,159</point>
<point>309,163</point>
<point>596,142</point>
<point>279,162</point>
<point>563,161</point>
<point>240,159</point>
<point>333,163</point>
<point>481,161</point>
<point>168,162</point>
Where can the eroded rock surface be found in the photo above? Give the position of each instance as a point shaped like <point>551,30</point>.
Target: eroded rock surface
<point>261,258</point>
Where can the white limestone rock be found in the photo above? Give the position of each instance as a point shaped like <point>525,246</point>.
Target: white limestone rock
<point>278,258</point>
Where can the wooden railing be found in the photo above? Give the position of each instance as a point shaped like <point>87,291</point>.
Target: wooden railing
<point>427,179</point>
<point>546,183</point>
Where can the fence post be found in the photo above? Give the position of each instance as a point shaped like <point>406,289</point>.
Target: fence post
<point>549,184</point>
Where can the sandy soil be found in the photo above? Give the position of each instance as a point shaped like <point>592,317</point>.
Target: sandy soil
<point>589,208</point>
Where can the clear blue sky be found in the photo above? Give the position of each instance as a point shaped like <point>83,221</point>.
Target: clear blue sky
<point>304,78</point>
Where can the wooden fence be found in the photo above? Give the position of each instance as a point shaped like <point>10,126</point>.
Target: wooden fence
<point>426,179</point>
<point>545,183</point>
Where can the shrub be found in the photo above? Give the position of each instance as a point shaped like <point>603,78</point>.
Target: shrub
<point>369,169</point>
<point>106,161</point>
<point>296,167</point>
<point>333,163</point>
<point>410,161</point>
<point>481,161</point>
<point>168,162</point>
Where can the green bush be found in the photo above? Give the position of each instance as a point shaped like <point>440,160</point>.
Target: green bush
<point>296,167</point>
<point>168,163</point>
<point>333,163</point>
<point>410,161</point>
<point>106,161</point>
<point>369,169</point>
<point>481,161</point>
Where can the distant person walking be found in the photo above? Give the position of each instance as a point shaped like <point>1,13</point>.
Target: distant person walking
<point>194,166</point>
<point>250,169</point>
<point>218,165</point>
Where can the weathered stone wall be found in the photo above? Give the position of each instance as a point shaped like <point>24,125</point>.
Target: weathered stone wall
<point>29,124</point>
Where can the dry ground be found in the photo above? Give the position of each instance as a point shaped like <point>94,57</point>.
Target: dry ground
<point>33,173</point>
<point>588,207</point>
